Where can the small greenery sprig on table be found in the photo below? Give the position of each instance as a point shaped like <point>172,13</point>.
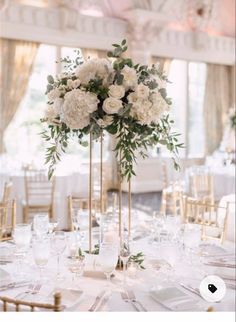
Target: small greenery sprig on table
<point>116,96</point>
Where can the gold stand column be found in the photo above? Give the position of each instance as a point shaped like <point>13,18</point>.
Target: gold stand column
<point>101,174</point>
<point>90,191</point>
<point>130,206</point>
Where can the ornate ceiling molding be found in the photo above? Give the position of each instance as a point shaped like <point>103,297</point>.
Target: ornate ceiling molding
<point>145,29</point>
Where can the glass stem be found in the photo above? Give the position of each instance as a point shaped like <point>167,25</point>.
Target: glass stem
<point>58,265</point>
<point>124,270</point>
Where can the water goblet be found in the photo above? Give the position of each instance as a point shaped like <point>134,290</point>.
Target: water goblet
<point>41,224</point>
<point>108,257</point>
<point>41,254</point>
<point>58,244</point>
<point>76,265</point>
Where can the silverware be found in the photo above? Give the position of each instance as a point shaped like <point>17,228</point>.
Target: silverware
<point>127,299</point>
<point>13,285</point>
<point>96,302</point>
<point>132,297</point>
<point>32,289</point>
<point>190,289</point>
<point>217,264</point>
<point>103,302</point>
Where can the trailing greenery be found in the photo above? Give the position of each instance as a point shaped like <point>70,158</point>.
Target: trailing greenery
<point>133,136</point>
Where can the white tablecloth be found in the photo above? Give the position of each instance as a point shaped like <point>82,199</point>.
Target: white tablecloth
<point>141,285</point>
<point>75,184</point>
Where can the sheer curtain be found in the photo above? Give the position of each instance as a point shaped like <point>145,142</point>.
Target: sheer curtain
<point>163,62</point>
<point>93,53</point>
<point>16,62</point>
<point>219,97</point>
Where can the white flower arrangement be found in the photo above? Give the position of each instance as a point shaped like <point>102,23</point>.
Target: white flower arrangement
<point>127,100</point>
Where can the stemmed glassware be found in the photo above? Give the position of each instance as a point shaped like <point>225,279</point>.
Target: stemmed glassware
<point>58,243</point>
<point>124,254</point>
<point>41,253</point>
<point>159,221</point>
<point>41,224</point>
<point>108,258</point>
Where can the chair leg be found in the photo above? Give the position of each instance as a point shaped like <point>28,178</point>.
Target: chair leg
<point>25,214</point>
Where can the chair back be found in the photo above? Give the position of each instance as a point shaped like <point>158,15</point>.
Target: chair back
<point>6,193</point>
<point>56,306</point>
<point>211,217</point>
<point>201,184</point>
<point>38,189</point>
<point>7,220</point>
<point>172,200</point>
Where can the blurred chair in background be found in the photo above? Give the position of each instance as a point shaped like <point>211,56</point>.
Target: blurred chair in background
<point>39,194</point>
<point>201,186</point>
<point>212,218</point>
<point>7,219</point>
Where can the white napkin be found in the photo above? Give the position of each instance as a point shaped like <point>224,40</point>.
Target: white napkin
<point>69,297</point>
<point>175,299</point>
<point>5,277</point>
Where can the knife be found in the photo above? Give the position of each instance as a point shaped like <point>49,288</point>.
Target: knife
<point>97,300</point>
<point>13,285</point>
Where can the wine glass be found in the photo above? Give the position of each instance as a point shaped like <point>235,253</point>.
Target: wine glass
<point>124,254</point>
<point>41,253</point>
<point>108,257</point>
<point>76,265</point>
<point>58,243</point>
<point>52,226</point>
<point>22,237</point>
<point>159,220</point>
<point>41,224</point>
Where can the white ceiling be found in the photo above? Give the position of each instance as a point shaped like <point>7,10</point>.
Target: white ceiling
<point>181,13</point>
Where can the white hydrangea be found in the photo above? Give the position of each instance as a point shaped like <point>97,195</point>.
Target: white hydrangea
<point>53,94</point>
<point>95,68</point>
<point>149,111</point>
<point>116,91</point>
<point>107,120</point>
<point>142,91</point>
<point>77,107</point>
<point>130,77</point>
<point>57,105</point>
<point>112,105</point>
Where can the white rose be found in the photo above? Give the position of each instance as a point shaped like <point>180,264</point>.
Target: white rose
<point>132,97</point>
<point>69,83</point>
<point>142,91</point>
<point>130,77</point>
<point>112,105</point>
<point>53,94</point>
<point>76,83</point>
<point>116,91</point>
<point>107,120</point>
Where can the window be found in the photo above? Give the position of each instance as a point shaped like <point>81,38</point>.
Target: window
<point>187,89</point>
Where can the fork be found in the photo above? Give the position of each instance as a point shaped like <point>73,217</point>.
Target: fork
<point>132,297</point>
<point>29,290</point>
<point>97,300</point>
<point>127,299</point>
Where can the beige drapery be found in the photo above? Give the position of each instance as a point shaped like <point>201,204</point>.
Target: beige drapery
<point>16,61</point>
<point>164,63</point>
<point>219,97</point>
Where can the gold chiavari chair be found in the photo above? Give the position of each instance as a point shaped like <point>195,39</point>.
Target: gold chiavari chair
<point>76,203</point>
<point>39,194</point>
<point>212,218</point>
<point>56,306</point>
<point>202,186</point>
<point>7,220</point>
<point>6,193</point>
<point>172,200</point>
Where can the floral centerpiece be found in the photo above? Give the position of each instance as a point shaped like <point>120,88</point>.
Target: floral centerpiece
<point>115,95</point>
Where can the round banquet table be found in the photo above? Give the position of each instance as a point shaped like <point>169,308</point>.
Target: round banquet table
<point>81,299</point>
